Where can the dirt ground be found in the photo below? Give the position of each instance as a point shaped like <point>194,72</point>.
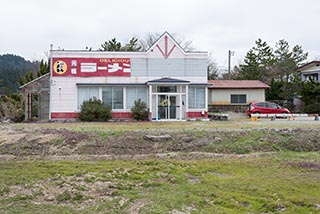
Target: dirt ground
<point>60,143</point>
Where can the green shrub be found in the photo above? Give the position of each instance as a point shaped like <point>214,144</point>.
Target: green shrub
<point>312,108</point>
<point>139,110</point>
<point>94,110</point>
<point>11,107</point>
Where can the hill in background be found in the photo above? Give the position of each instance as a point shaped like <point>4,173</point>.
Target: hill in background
<point>11,68</point>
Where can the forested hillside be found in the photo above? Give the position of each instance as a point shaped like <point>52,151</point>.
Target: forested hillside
<point>11,68</point>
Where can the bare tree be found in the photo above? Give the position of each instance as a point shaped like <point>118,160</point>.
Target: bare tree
<point>212,68</point>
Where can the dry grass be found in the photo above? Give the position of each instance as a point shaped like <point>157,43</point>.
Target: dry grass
<point>272,184</point>
<point>122,126</point>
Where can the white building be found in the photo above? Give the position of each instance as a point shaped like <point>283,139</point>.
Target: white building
<point>310,70</point>
<point>171,81</point>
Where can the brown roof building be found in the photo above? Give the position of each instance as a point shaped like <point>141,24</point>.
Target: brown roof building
<point>234,95</point>
<point>237,84</point>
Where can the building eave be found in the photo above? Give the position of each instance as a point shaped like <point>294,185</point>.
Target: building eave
<point>35,80</point>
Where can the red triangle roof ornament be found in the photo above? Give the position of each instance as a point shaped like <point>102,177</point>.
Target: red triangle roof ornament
<point>165,52</point>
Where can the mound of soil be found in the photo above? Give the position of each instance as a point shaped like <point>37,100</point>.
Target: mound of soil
<point>24,142</point>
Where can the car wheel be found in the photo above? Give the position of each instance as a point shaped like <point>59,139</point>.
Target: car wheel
<point>257,112</point>
<point>284,117</point>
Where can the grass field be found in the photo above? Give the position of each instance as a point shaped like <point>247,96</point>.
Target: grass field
<point>277,182</point>
<point>284,183</point>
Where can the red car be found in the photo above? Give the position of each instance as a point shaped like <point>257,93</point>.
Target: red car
<point>266,108</point>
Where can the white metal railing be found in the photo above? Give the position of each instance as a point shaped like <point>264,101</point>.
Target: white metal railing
<point>290,116</point>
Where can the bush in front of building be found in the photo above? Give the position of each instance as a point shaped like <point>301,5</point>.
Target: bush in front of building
<point>11,108</point>
<point>94,110</point>
<point>139,110</point>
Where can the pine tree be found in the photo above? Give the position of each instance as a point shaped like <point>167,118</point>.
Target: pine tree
<point>44,68</point>
<point>114,45</point>
<point>264,53</point>
<point>250,69</point>
<point>111,45</point>
<point>132,46</point>
<point>286,60</point>
<point>258,63</point>
<point>29,76</point>
<point>276,87</point>
<point>21,81</point>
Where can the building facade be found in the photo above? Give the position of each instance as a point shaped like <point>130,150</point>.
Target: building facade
<point>234,95</point>
<point>310,70</point>
<point>172,82</point>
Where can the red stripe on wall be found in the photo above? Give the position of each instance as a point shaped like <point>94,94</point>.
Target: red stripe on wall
<point>64,115</point>
<point>70,115</point>
<point>197,115</point>
<point>121,115</point>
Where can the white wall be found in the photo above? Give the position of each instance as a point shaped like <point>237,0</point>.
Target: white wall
<point>222,96</point>
<point>63,94</point>
<point>63,91</point>
<point>311,69</point>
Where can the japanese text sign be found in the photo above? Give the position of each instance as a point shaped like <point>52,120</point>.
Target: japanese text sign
<point>85,67</point>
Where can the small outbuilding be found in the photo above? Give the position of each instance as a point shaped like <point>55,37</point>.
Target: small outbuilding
<point>234,95</point>
<point>36,98</point>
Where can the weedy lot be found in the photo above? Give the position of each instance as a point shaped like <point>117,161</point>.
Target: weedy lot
<point>261,167</point>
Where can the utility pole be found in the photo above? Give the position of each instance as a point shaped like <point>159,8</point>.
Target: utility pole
<point>230,53</point>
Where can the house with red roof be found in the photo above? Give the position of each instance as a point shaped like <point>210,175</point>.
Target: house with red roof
<point>234,95</point>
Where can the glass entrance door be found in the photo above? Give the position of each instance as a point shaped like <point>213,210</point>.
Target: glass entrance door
<point>167,107</point>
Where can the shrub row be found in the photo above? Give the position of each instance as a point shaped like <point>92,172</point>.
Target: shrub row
<point>94,110</point>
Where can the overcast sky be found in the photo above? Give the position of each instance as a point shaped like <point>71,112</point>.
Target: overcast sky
<point>29,27</point>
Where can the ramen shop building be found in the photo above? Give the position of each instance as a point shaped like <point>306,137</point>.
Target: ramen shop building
<point>172,82</point>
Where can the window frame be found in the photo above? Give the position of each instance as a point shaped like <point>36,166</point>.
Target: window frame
<point>89,91</point>
<point>114,99</point>
<point>194,96</point>
<point>137,94</point>
<point>238,99</point>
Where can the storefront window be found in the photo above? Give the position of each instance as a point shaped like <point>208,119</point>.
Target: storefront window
<point>197,99</point>
<point>113,96</point>
<point>85,93</point>
<point>136,93</point>
<point>107,96</point>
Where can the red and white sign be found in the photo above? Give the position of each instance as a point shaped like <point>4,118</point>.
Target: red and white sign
<point>88,67</point>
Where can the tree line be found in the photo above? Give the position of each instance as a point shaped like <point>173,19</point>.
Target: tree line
<point>11,68</point>
<point>277,67</point>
